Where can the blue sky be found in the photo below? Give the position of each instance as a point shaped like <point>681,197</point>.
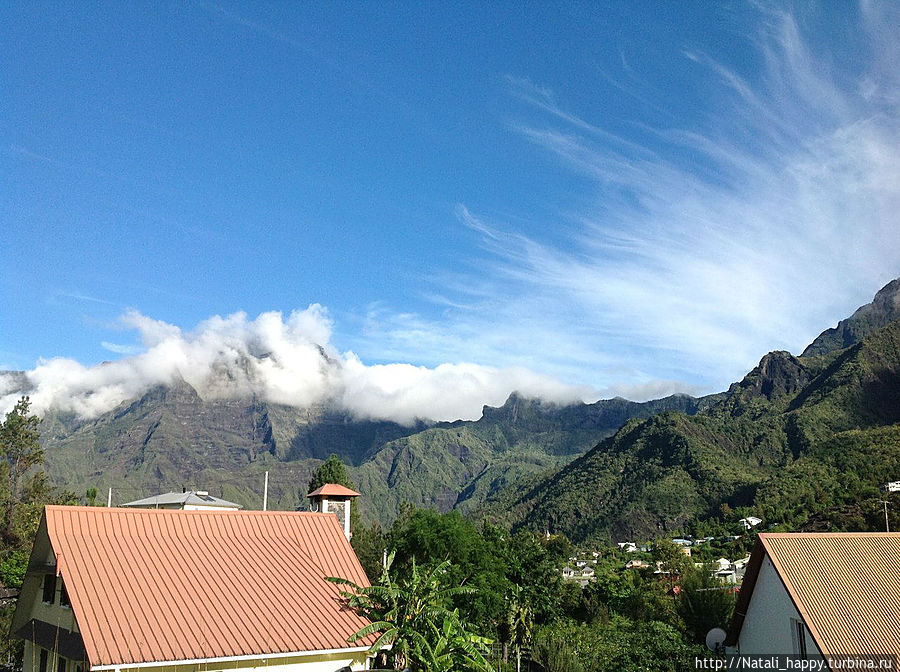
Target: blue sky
<point>624,198</point>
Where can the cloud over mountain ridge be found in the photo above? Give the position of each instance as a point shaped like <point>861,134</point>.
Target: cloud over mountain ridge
<point>287,360</point>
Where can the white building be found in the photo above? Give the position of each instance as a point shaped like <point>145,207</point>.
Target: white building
<point>750,522</point>
<point>190,500</point>
<point>819,593</point>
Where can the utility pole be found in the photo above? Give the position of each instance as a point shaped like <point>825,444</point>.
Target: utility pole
<point>887,527</point>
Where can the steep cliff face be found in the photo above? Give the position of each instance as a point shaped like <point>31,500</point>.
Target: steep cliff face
<point>884,308</point>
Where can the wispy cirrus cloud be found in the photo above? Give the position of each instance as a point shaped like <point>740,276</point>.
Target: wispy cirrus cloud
<point>708,243</point>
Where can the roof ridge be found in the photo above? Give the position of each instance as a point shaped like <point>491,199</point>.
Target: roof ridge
<point>99,510</point>
<point>818,535</point>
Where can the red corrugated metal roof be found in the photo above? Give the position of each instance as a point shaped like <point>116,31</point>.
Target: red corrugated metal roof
<point>156,585</point>
<point>333,490</point>
<point>845,585</point>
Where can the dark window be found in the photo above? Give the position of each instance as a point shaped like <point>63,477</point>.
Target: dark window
<point>801,638</point>
<point>49,590</point>
<point>61,664</point>
<point>43,664</point>
<point>64,595</point>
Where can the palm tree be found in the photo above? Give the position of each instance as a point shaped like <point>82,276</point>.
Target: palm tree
<point>413,618</point>
<point>520,621</point>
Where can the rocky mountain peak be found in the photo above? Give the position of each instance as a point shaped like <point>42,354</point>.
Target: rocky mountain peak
<point>778,373</point>
<point>883,309</point>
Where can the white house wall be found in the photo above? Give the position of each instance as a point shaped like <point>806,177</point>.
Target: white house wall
<point>769,626</point>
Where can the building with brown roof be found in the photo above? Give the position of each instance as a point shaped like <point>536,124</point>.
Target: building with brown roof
<point>834,594</point>
<point>184,591</point>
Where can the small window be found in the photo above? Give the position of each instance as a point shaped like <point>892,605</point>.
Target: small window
<point>49,590</point>
<point>800,630</point>
<point>61,664</point>
<point>42,667</point>
<point>64,595</point>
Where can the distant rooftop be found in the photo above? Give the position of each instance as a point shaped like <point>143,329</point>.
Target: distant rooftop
<point>190,498</point>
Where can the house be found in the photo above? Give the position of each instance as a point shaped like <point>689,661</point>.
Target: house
<point>134,589</point>
<point>636,564</point>
<point>819,593</point>
<point>627,546</point>
<point>191,500</point>
<point>750,522</point>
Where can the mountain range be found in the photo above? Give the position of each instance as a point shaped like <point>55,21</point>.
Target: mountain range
<point>170,438</point>
<point>806,441</point>
<point>608,470</point>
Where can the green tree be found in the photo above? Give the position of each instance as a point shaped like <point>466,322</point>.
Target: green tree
<point>331,470</point>
<point>430,537</point>
<point>24,490</point>
<point>621,644</point>
<point>20,450</point>
<point>520,621</point>
<point>415,618</point>
<point>370,543</point>
<point>704,603</point>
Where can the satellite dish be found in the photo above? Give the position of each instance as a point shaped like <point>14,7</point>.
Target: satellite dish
<point>714,639</point>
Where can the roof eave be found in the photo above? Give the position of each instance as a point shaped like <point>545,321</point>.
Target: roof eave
<point>225,659</point>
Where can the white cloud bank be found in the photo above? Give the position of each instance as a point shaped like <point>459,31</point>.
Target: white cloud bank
<point>288,361</point>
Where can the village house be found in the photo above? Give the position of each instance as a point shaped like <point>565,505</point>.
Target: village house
<point>189,500</point>
<point>750,522</point>
<point>819,593</point>
<point>161,590</point>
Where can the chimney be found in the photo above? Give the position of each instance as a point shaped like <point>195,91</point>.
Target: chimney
<point>336,499</point>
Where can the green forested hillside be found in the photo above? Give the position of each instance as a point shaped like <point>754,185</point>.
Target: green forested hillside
<point>171,438</point>
<point>798,439</point>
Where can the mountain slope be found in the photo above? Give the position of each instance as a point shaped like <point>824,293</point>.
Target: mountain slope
<point>884,308</point>
<point>459,465</point>
<point>795,436</point>
<point>172,438</point>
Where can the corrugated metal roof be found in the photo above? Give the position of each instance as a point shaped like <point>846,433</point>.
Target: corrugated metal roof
<point>846,586</point>
<point>191,497</point>
<point>333,490</point>
<point>156,585</point>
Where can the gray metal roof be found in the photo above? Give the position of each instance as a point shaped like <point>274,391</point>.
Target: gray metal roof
<point>192,497</point>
